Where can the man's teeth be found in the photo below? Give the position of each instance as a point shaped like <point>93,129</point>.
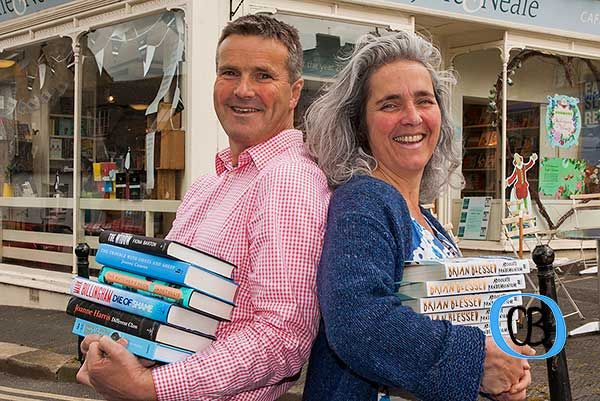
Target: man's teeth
<point>409,138</point>
<point>244,110</point>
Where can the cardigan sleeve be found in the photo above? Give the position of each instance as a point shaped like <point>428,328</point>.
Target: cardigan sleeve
<point>367,326</point>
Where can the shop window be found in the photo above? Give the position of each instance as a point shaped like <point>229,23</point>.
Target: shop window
<point>554,112</point>
<point>36,152</point>
<point>325,44</point>
<point>133,92</point>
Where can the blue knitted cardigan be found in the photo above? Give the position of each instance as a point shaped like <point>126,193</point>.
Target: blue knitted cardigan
<point>367,339</point>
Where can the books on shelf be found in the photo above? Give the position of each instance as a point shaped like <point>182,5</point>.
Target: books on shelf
<point>138,326</point>
<point>138,346</point>
<point>437,288</point>
<point>141,305</point>
<point>184,296</point>
<point>169,249</point>
<point>466,267</point>
<point>170,270</point>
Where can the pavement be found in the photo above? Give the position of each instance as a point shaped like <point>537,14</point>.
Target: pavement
<point>38,343</point>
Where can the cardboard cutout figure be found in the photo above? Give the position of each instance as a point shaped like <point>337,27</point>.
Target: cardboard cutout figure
<point>519,183</point>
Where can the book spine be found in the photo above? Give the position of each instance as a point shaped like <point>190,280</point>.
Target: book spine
<point>117,298</point>
<point>461,302</point>
<point>484,267</point>
<point>468,317</point>
<point>143,264</point>
<point>138,346</point>
<point>144,285</point>
<point>155,246</point>
<point>115,319</point>
<point>473,285</point>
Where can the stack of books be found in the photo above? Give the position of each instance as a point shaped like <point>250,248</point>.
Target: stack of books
<point>462,290</point>
<point>165,298</point>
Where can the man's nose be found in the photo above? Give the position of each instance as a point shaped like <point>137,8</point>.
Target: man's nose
<point>244,88</point>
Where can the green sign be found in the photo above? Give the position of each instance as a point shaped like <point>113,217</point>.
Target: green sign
<point>474,217</point>
<point>561,177</point>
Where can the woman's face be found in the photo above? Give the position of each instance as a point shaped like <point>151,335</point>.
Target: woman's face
<point>403,117</point>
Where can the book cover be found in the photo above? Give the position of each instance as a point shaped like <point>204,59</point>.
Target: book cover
<point>439,288</point>
<point>138,326</point>
<point>503,324</point>
<point>141,305</point>
<point>185,296</point>
<point>443,269</point>
<point>461,302</point>
<point>170,270</point>
<point>135,345</point>
<point>169,249</point>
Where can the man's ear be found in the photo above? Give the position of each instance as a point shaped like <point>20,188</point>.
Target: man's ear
<point>296,92</point>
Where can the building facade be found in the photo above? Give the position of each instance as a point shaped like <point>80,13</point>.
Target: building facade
<point>97,129</point>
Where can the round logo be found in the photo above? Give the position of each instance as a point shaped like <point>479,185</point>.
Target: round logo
<point>472,6</point>
<point>561,327</point>
<point>20,6</point>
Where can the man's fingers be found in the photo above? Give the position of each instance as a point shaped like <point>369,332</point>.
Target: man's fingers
<point>110,347</point>
<point>87,340</point>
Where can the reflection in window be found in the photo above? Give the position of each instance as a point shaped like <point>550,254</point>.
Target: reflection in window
<point>325,44</point>
<point>133,91</point>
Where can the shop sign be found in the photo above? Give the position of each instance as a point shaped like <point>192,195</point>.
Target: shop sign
<point>562,177</point>
<point>563,121</point>
<point>580,16</point>
<point>11,9</point>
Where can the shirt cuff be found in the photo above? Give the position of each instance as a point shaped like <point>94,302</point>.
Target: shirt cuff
<point>171,382</point>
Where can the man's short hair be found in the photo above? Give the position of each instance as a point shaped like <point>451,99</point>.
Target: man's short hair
<point>268,27</point>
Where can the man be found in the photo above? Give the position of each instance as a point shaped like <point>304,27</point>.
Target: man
<point>264,210</point>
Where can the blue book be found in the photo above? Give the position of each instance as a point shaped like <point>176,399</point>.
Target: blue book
<point>135,345</point>
<point>142,305</point>
<point>169,270</point>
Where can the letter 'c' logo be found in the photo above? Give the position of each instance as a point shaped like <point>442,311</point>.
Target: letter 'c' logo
<point>561,327</point>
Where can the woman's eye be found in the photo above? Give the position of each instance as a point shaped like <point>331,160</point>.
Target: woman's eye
<point>388,106</point>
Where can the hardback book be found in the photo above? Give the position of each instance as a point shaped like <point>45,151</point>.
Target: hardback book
<point>141,305</point>
<point>169,270</point>
<point>473,285</point>
<point>185,296</point>
<point>138,326</point>
<point>467,317</point>
<point>169,249</point>
<point>442,269</point>
<point>453,303</point>
<point>135,345</point>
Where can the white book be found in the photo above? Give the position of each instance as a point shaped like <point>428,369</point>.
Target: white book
<point>466,317</point>
<point>413,290</point>
<point>454,268</point>
<point>461,302</point>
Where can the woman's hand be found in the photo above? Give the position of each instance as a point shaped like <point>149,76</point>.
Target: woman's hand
<point>504,375</point>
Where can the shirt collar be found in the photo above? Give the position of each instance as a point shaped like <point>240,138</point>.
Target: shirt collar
<point>261,153</point>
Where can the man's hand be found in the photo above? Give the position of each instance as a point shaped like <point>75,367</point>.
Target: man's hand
<point>113,371</point>
<point>503,373</point>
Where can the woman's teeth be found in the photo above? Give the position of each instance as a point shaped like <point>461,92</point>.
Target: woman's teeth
<point>409,138</point>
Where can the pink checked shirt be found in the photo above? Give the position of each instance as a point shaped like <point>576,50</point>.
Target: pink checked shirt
<point>267,216</point>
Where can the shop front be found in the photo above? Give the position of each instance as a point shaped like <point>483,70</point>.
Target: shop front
<point>526,106</point>
<point>95,129</point>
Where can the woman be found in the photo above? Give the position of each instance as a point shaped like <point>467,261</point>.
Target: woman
<point>383,137</point>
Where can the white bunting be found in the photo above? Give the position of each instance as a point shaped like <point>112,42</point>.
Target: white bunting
<point>100,60</point>
<point>149,57</point>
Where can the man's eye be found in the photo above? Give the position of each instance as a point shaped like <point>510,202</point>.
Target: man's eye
<point>264,75</point>
<point>228,73</point>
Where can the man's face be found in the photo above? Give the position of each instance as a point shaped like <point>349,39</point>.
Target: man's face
<point>253,97</point>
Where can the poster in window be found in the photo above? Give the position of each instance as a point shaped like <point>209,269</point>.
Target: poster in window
<point>563,121</point>
<point>474,217</point>
<point>562,177</point>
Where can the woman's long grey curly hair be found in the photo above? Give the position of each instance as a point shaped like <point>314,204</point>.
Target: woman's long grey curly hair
<point>336,133</point>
